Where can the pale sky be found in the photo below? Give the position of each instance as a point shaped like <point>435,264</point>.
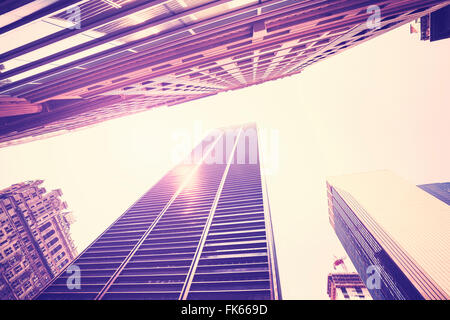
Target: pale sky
<point>382,105</point>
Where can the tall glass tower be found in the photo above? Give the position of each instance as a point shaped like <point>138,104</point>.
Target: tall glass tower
<point>202,232</point>
<point>395,234</point>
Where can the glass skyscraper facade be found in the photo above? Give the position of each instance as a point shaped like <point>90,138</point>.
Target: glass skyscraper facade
<point>438,190</point>
<point>346,286</point>
<point>395,234</point>
<point>70,64</point>
<point>202,232</point>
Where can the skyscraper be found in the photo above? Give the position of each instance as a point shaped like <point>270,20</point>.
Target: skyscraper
<point>202,232</point>
<point>439,190</point>
<point>69,64</point>
<point>346,286</point>
<point>35,242</point>
<point>395,234</point>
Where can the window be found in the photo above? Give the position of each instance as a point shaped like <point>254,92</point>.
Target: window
<point>18,268</point>
<point>27,285</point>
<point>9,275</point>
<point>19,291</point>
<point>345,293</point>
<point>49,234</point>
<point>45,226</point>
<point>8,251</point>
<point>63,264</point>
<point>60,256</point>
<point>52,242</point>
<point>56,250</point>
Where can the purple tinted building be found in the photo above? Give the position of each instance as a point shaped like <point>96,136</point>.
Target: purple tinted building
<point>395,234</point>
<point>70,64</point>
<point>202,232</point>
<point>346,286</point>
